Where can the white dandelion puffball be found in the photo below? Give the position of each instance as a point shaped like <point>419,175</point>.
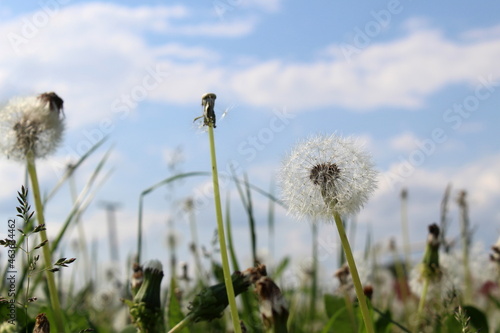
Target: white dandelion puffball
<point>325,174</point>
<point>31,124</point>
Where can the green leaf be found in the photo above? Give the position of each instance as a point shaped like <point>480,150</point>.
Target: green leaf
<point>478,319</point>
<point>175,314</point>
<point>340,319</point>
<point>333,304</point>
<point>383,323</point>
<point>281,268</point>
<point>451,324</point>
<point>217,271</point>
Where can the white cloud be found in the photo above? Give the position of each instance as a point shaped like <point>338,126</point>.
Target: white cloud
<point>92,66</point>
<point>405,142</point>
<point>93,54</point>
<point>268,5</point>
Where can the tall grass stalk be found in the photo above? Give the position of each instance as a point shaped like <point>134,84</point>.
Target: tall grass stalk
<point>141,204</point>
<point>423,296</point>
<point>222,237</point>
<point>466,241</point>
<point>404,227</point>
<point>54,297</point>
<point>354,274</point>
<point>314,271</point>
<point>246,199</point>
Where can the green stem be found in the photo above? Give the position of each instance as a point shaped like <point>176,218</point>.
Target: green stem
<point>405,230</point>
<point>423,296</point>
<point>354,274</point>
<point>222,238</point>
<point>350,311</point>
<point>314,271</point>
<point>183,323</point>
<point>54,297</point>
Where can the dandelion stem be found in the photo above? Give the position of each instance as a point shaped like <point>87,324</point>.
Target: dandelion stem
<point>423,296</point>
<point>54,298</point>
<point>404,227</point>
<point>354,274</point>
<point>314,271</point>
<point>183,323</point>
<point>222,237</point>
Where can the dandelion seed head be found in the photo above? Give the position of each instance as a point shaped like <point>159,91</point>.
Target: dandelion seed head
<point>325,174</point>
<point>33,123</point>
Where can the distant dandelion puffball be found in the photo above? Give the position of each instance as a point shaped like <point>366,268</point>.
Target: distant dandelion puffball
<point>31,124</point>
<point>325,174</point>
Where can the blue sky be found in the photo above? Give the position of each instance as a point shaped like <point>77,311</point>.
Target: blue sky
<point>417,82</point>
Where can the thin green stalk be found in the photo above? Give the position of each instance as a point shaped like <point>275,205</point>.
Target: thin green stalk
<point>141,204</point>
<point>314,271</point>
<point>404,227</point>
<point>466,241</point>
<point>196,244</point>
<point>270,223</point>
<point>183,323</point>
<point>350,311</point>
<point>54,297</point>
<point>82,239</point>
<point>222,238</point>
<point>246,199</point>
<point>423,296</point>
<point>245,297</point>
<point>401,279</point>
<point>354,274</point>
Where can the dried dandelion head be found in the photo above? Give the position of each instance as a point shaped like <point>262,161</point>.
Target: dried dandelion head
<point>31,124</point>
<point>325,174</point>
<point>42,324</point>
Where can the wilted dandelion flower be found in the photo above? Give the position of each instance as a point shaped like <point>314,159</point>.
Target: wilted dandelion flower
<point>31,124</point>
<point>325,174</point>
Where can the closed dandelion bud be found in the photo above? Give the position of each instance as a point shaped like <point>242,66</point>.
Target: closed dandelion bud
<point>145,309</point>
<point>431,256</point>
<point>272,305</point>
<point>430,269</point>
<point>211,302</point>
<point>42,324</point>
<point>31,125</point>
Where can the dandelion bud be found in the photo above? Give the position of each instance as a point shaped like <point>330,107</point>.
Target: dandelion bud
<point>431,257</point>
<point>211,302</point>
<point>42,324</point>
<point>208,103</point>
<point>31,125</point>
<point>273,307</point>
<point>149,292</point>
<point>145,309</point>
<point>429,268</point>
